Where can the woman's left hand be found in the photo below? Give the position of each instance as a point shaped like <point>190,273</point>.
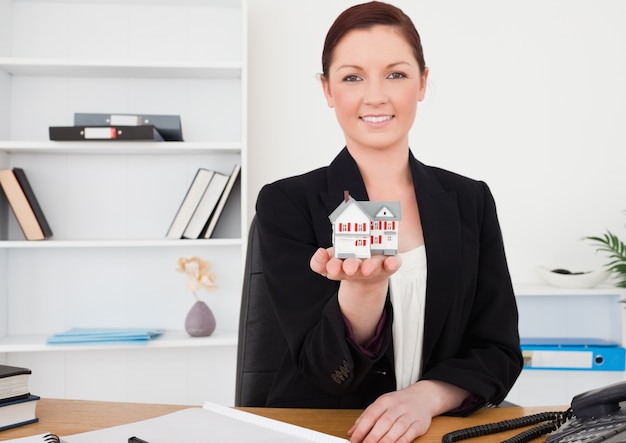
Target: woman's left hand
<point>402,416</point>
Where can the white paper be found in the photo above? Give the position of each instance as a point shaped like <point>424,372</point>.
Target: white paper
<point>31,439</point>
<point>303,434</point>
<point>211,423</point>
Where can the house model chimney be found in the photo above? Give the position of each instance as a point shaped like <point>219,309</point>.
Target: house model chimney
<point>346,196</point>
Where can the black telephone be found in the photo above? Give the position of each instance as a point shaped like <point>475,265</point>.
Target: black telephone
<point>594,416</point>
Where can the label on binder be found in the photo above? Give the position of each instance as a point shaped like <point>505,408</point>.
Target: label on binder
<point>557,359</point>
<point>125,120</point>
<point>100,133</point>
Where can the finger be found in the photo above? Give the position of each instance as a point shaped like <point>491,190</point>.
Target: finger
<point>401,430</point>
<point>393,263</point>
<point>398,430</point>
<point>371,265</point>
<point>406,429</point>
<point>383,427</point>
<point>318,261</point>
<point>364,424</point>
<point>351,266</point>
<point>334,269</point>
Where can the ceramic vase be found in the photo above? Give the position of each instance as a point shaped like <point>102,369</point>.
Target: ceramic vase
<point>200,321</point>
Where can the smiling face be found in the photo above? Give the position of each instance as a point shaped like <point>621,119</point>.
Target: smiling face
<point>374,84</point>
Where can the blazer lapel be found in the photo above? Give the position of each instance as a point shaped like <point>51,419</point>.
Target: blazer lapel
<point>343,175</point>
<point>441,224</point>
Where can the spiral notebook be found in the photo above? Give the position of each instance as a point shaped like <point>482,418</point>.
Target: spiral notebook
<point>212,422</point>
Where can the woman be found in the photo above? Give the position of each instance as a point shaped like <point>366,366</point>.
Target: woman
<point>428,331</point>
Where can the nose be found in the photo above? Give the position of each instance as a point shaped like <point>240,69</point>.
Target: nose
<point>375,92</point>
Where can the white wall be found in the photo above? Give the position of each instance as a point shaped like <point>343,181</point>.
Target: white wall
<point>529,96</point>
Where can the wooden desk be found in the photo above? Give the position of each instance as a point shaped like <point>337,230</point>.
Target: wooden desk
<point>66,417</point>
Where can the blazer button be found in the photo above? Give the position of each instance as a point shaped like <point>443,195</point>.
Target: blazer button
<point>341,373</point>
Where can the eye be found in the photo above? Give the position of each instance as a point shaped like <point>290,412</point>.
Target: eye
<point>351,78</point>
<point>396,75</point>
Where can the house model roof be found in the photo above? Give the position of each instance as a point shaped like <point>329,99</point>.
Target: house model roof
<point>375,210</point>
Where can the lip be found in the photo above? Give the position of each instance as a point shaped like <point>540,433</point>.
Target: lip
<point>377,121</point>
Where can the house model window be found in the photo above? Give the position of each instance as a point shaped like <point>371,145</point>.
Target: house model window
<point>363,228</point>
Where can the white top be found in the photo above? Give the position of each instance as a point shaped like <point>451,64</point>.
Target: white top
<point>408,297</point>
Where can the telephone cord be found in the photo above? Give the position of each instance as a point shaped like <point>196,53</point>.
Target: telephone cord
<point>554,419</point>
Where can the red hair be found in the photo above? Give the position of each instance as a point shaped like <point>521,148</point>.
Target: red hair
<point>364,16</point>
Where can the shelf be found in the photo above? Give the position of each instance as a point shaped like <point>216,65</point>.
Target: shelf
<point>110,202</point>
<point>212,3</point>
<point>170,339</point>
<point>117,147</point>
<point>44,67</point>
<point>24,244</point>
<point>538,290</point>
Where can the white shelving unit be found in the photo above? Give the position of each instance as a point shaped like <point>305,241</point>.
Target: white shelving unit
<point>110,204</point>
<point>547,311</point>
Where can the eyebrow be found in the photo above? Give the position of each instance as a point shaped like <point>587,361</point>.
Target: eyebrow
<point>391,65</point>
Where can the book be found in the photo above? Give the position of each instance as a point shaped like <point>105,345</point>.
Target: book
<point>168,125</point>
<point>18,412</point>
<point>211,422</point>
<point>109,133</point>
<point>24,204</point>
<point>13,382</point>
<point>234,175</point>
<point>190,202</point>
<point>205,207</point>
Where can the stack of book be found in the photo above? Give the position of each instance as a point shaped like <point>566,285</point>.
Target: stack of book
<point>203,203</point>
<point>17,404</point>
<point>24,204</point>
<point>122,127</point>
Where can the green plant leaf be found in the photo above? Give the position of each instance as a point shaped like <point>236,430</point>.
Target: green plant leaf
<point>616,251</point>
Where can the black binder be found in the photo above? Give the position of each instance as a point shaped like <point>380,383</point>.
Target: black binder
<point>112,133</point>
<point>168,125</point>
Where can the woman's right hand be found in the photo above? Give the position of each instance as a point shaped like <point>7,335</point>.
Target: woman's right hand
<point>362,289</point>
<point>375,269</point>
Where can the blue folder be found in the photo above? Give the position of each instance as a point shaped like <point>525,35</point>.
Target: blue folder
<point>586,354</point>
<point>104,335</point>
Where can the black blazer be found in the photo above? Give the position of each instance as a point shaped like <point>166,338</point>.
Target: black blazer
<point>471,335</point>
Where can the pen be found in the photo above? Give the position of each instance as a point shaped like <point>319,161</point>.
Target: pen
<point>134,439</point>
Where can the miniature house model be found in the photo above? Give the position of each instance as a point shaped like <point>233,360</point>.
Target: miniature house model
<point>363,228</point>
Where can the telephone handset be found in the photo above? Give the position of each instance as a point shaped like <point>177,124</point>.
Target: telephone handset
<point>594,416</point>
<point>598,402</point>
